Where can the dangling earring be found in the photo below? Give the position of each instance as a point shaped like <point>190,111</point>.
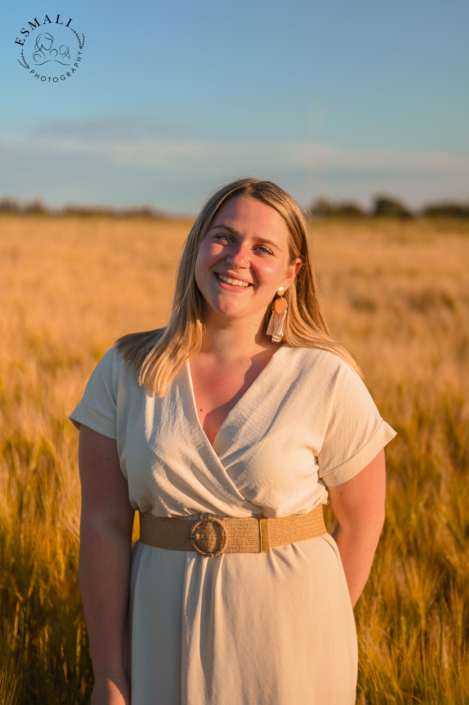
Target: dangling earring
<point>277,320</point>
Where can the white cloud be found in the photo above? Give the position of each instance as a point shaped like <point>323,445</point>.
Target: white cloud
<point>181,170</point>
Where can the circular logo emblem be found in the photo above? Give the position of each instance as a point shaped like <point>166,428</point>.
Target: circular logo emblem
<point>51,51</point>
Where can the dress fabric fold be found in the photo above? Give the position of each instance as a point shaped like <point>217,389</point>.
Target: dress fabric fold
<point>272,628</point>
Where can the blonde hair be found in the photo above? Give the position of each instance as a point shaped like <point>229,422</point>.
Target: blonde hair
<point>158,355</point>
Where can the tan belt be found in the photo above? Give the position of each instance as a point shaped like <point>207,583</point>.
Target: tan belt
<point>212,535</point>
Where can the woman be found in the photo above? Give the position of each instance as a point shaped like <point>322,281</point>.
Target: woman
<point>251,417</point>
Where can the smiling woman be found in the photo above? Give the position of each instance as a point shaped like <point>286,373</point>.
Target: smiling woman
<point>229,442</point>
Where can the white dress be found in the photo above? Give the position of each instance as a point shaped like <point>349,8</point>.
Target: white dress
<point>271,628</point>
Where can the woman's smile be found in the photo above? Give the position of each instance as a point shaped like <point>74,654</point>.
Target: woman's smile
<point>231,282</point>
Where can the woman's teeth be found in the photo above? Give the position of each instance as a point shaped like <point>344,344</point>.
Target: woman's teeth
<point>233,282</point>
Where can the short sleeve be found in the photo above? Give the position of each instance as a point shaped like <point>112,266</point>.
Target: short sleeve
<point>355,432</point>
<point>97,409</point>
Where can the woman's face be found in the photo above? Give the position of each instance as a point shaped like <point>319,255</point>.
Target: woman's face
<point>243,259</point>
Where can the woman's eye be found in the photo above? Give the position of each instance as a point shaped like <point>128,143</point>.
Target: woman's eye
<point>226,237</point>
<point>264,250</point>
<point>222,236</point>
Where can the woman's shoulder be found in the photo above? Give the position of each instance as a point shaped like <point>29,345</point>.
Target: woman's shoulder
<point>107,368</point>
<point>141,341</point>
<point>121,355</point>
<point>132,348</point>
<point>320,361</point>
<point>130,353</point>
<point>332,379</point>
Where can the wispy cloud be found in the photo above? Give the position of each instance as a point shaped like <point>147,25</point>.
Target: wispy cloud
<point>320,156</point>
<point>124,142</point>
<point>134,156</point>
<point>106,129</point>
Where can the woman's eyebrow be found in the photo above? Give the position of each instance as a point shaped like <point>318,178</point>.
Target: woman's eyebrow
<point>236,232</point>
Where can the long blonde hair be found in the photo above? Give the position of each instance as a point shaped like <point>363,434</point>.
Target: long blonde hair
<point>158,355</point>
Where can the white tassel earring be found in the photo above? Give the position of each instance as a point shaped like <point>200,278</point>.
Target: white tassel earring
<point>276,325</point>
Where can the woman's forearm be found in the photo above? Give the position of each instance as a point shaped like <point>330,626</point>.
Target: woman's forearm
<point>357,549</point>
<point>359,507</point>
<point>104,584</point>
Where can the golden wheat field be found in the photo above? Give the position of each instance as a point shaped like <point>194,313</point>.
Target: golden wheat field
<point>397,293</point>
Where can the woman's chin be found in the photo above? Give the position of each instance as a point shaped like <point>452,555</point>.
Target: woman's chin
<point>227,306</point>
<point>231,310</point>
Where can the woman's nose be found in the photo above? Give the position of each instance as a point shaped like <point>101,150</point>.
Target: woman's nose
<point>238,256</point>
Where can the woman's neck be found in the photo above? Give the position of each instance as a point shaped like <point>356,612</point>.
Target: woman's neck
<point>235,340</point>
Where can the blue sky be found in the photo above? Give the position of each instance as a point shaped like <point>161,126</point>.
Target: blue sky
<point>336,98</point>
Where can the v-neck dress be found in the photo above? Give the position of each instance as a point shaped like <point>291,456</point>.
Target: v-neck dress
<point>271,628</point>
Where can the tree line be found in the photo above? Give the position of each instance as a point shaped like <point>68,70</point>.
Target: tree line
<point>10,204</point>
<point>382,206</point>
<point>387,207</point>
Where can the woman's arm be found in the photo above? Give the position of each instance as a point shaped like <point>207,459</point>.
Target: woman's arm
<point>358,506</point>
<point>105,545</point>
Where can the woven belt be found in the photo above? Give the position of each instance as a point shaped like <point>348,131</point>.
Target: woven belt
<point>212,535</point>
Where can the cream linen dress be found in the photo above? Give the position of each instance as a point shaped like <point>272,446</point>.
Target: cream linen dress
<point>271,628</point>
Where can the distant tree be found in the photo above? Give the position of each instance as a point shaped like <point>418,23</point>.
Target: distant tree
<point>324,208</point>
<point>80,210</point>
<point>350,210</point>
<point>145,210</point>
<point>446,210</point>
<point>321,208</point>
<point>9,204</point>
<point>388,207</point>
<point>36,207</point>
<point>130,211</point>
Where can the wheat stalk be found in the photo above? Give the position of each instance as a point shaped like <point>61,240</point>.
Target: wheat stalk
<point>80,42</point>
<point>25,65</point>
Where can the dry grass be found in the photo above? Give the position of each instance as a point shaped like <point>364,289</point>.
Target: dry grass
<point>396,293</point>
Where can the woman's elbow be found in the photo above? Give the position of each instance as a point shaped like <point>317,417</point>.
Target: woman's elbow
<point>98,527</point>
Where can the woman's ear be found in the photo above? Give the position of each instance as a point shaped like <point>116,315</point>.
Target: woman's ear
<point>298,265</point>
<point>292,271</point>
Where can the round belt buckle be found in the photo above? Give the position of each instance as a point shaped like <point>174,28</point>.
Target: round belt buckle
<point>222,542</point>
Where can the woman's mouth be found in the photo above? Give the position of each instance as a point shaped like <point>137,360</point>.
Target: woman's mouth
<point>231,281</point>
